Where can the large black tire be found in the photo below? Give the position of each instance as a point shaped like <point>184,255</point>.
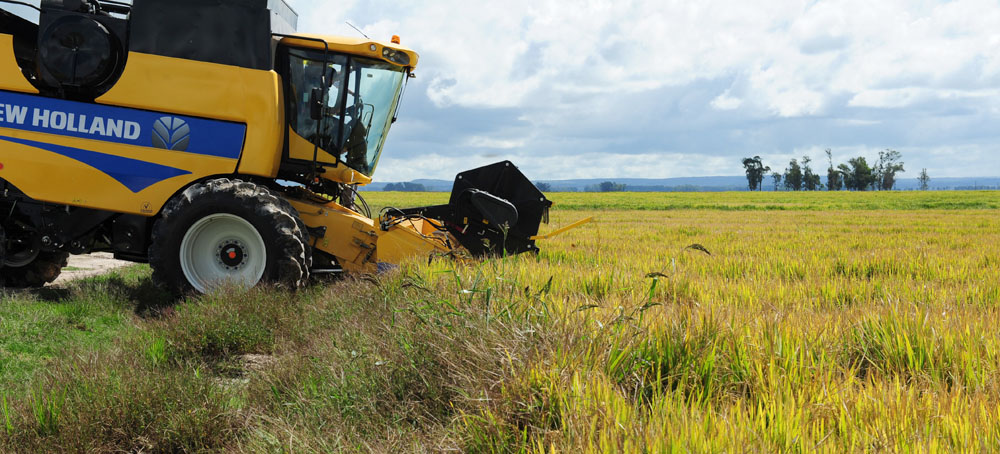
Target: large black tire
<point>3,251</point>
<point>44,269</point>
<point>285,240</point>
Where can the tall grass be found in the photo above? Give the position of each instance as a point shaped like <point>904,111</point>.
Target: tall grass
<point>803,331</point>
<point>736,201</point>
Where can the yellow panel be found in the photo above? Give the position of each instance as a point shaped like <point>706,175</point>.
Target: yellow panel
<point>209,90</point>
<point>403,242</point>
<point>11,77</point>
<point>302,149</point>
<point>350,237</point>
<point>265,129</point>
<point>359,244</point>
<point>51,177</point>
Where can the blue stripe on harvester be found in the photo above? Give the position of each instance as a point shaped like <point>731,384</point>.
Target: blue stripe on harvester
<point>134,174</point>
<point>219,138</point>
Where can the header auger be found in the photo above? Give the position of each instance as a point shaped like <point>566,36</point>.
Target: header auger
<point>218,158</point>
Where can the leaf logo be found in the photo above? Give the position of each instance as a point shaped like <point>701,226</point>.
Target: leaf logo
<point>171,133</point>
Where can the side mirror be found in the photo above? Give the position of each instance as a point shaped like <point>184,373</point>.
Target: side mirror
<point>316,104</point>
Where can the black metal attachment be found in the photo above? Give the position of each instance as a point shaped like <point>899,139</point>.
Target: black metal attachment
<point>130,236</point>
<point>81,47</point>
<point>317,232</point>
<point>228,32</point>
<point>494,210</point>
<point>31,226</point>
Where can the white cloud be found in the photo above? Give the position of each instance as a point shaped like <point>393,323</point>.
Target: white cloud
<point>894,98</point>
<point>574,75</point>
<point>856,122</point>
<point>797,55</point>
<point>488,142</point>
<point>584,165</point>
<point>726,102</point>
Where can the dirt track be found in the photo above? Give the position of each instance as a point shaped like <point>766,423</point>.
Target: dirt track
<point>81,266</point>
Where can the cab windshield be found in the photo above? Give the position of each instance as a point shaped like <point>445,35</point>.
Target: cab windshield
<point>360,98</point>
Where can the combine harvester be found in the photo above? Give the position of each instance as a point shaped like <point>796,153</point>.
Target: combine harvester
<point>211,141</point>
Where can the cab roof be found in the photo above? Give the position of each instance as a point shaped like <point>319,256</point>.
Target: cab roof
<point>355,46</point>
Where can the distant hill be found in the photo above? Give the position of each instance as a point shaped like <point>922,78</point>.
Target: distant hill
<point>706,184</point>
<point>631,184</point>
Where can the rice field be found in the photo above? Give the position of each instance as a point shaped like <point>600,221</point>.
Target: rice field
<point>730,322</point>
<point>820,325</point>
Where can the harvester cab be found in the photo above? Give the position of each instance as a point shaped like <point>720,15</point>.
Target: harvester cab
<point>213,142</point>
<point>339,105</point>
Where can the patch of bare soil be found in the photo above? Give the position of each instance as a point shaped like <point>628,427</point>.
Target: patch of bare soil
<point>81,266</point>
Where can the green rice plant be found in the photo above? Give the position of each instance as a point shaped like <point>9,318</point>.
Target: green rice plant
<point>8,425</point>
<point>678,357</point>
<point>47,407</point>
<point>901,347</point>
<point>157,352</point>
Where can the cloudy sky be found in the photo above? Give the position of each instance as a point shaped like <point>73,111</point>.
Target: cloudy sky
<point>664,88</point>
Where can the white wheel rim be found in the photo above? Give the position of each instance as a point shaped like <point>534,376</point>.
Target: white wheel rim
<point>222,250</point>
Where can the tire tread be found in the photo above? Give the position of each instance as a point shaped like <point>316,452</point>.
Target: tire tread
<point>270,210</point>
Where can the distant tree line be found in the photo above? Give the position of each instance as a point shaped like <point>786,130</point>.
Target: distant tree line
<point>607,186</point>
<point>854,175</point>
<point>680,188</point>
<point>405,187</point>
